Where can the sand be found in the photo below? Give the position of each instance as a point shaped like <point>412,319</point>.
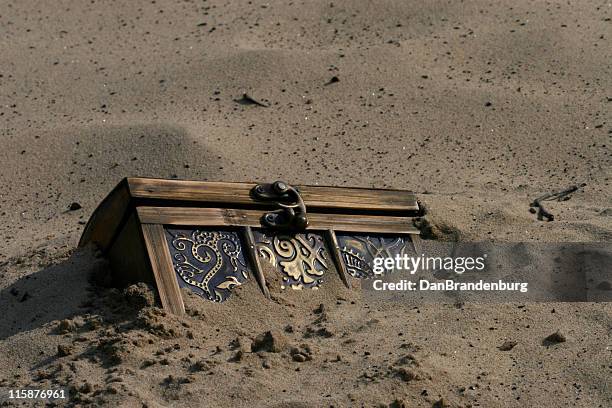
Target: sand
<point>478,107</point>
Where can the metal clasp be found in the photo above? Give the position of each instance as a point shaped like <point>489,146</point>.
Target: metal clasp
<point>292,212</point>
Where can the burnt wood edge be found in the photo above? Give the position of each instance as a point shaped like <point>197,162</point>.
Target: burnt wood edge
<point>163,271</point>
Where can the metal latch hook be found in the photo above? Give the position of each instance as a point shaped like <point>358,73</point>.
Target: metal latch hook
<point>292,213</point>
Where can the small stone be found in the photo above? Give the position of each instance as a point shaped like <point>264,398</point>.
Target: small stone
<point>302,353</point>
<point>64,350</point>
<point>86,388</point>
<point>266,364</point>
<point>319,309</point>
<point>507,345</point>
<point>147,363</point>
<point>272,341</point>
<point>111,390</point>
<point>441,403</point>
<point>324,332</point>
<point>556,337</point>
<point>202,365</point>
<point>66,326</point>
<point>140,295</point>
<point>399,403</point>
<point>408,359</point>
<point>406,374</point>
<point>299,357</point>
<point>74,206</point>
<point>250,100</point>
<point>245,344</point>
<point>237,357</point>
<point>94,323</point>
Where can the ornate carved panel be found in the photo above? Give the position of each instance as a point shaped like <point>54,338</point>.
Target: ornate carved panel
<point>302,259</point>
<point>209,262</point>
<point>358,251</point>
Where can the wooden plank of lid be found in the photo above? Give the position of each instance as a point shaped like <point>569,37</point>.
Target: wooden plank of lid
<point>215,217</point>
<point>239,193</point>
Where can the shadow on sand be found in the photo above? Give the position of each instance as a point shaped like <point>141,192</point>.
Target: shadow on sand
<point>56,292</point>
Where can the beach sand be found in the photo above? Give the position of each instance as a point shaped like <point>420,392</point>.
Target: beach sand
<point>478,107</point>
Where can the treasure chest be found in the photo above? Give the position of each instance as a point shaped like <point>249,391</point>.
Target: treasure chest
<point>211,237</point>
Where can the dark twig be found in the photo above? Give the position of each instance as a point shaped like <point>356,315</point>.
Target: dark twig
<point>563,195</point>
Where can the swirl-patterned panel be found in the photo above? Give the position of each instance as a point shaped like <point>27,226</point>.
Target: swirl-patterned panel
<point>209,262</point>
<point>302,259</point>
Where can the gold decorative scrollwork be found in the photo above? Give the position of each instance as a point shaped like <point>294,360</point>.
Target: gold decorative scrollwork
<point>301,258</point>
<point>211,263</point>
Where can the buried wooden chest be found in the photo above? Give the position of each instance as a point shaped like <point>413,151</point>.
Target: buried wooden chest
<point>213,236</point>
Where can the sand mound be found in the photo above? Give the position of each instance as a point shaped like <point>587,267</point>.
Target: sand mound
<point>332,346</point>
